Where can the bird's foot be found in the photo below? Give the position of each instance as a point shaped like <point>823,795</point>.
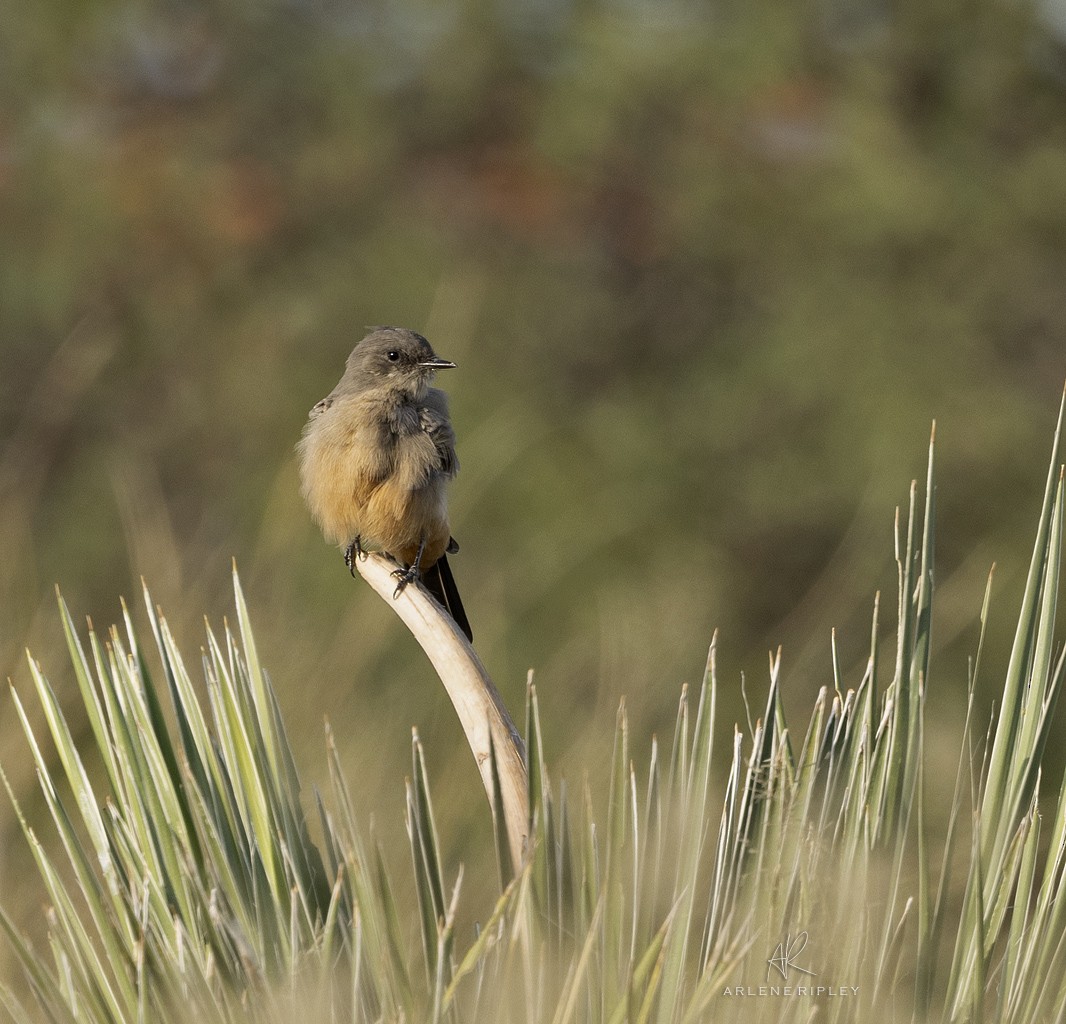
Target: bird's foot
<point>404,576</point>
<point>351,553</point>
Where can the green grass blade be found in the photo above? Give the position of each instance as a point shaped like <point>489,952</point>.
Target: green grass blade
<point>1001,761</point>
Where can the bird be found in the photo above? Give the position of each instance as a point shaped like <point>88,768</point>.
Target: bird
<point>375,459</point>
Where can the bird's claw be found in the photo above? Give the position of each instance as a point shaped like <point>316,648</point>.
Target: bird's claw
<point>403,577</point>
<point>351,553</point>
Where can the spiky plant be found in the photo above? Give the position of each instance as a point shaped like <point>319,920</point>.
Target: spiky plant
<point>809,877</point>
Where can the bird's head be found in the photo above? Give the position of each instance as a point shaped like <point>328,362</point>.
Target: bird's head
<point>394,357</point>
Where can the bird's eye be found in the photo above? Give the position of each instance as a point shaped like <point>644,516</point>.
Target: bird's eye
<point>392,355</point>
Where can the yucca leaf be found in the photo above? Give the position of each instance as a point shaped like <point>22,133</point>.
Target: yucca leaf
<point>477,950</point>
<point>1002,762</point>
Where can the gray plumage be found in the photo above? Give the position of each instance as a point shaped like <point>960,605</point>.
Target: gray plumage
<point>377,453</point>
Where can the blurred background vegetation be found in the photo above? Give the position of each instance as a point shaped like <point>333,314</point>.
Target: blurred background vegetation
<point>709,270</point>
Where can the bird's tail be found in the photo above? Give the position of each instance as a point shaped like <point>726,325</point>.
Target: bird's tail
<point>438,580</point>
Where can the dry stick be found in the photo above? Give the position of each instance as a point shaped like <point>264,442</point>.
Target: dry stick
<point>477,702</point>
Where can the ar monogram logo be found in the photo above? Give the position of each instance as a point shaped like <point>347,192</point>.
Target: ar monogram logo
<point>784,958</point>
<point>783,961</point>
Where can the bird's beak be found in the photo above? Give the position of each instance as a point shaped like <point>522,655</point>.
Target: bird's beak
<point>436,363</point>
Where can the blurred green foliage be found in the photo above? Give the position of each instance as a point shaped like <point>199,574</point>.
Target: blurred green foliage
<point>709,271</point>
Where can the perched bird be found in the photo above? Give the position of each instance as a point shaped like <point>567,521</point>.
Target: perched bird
<point>376,456</point>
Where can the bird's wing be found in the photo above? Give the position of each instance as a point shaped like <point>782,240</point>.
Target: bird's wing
<point>433,420</point>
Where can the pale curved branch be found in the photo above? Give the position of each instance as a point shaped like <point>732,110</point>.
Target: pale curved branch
<point>477,702</point>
